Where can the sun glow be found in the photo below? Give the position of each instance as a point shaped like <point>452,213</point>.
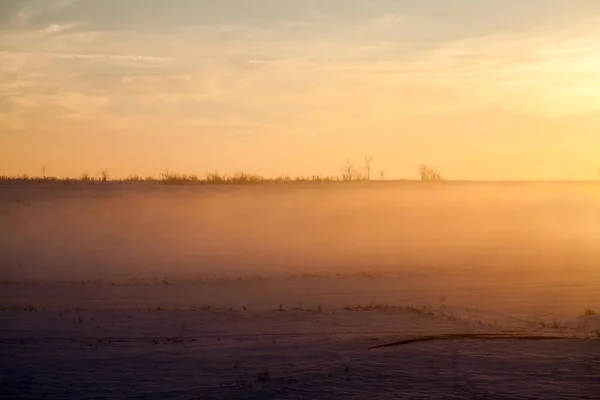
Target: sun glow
<point>300,93</point>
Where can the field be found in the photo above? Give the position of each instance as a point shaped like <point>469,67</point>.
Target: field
<point>294,291</point>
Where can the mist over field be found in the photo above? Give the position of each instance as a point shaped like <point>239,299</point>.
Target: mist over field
<point>299,290</point>
<point>124,230</point>
<point>401,199</point>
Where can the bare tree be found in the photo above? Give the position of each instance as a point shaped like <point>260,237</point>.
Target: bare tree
<point>348,171</point>
<point>44,172</point>
<point>368,164</point>
<point>382,175</point>
<point>429,173</point>
<point>104,175</point>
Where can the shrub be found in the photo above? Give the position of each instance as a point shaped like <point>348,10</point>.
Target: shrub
<point>428,173</point>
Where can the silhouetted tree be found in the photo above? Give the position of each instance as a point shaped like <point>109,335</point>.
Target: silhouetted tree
<point>429,173</point>
<point>348,171</point>
<point>368,163</point>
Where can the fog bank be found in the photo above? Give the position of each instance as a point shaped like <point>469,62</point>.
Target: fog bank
<point>122,230</point>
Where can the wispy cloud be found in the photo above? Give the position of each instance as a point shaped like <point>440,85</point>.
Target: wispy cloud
<point>65,3</point>
<point>60,28</point>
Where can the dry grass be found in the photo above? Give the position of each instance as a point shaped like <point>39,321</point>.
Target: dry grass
<point>427,311</point>
<point>349,172</point>
<point>315,310</point>
<point>17,307</point>
<point>264,376</point>
<point>213,178</point>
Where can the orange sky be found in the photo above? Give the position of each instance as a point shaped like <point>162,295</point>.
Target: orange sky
<point>482,90</point>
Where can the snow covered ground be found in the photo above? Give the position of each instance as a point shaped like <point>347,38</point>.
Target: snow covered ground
<point>300,338</point>
<point>152,292</point>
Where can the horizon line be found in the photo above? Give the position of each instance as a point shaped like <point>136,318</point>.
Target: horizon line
<point>249,179</point>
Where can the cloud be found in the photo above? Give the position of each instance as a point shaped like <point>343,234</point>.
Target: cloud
<point>108,57</point>
<point>60,28</point>
<point>307,70</point>
<point>65,3</point>
<point>22,13</point>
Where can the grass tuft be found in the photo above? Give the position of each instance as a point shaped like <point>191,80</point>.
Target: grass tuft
<point>264,376</point>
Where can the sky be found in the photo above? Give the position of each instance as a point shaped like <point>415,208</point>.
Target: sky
<point>480,89</point>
